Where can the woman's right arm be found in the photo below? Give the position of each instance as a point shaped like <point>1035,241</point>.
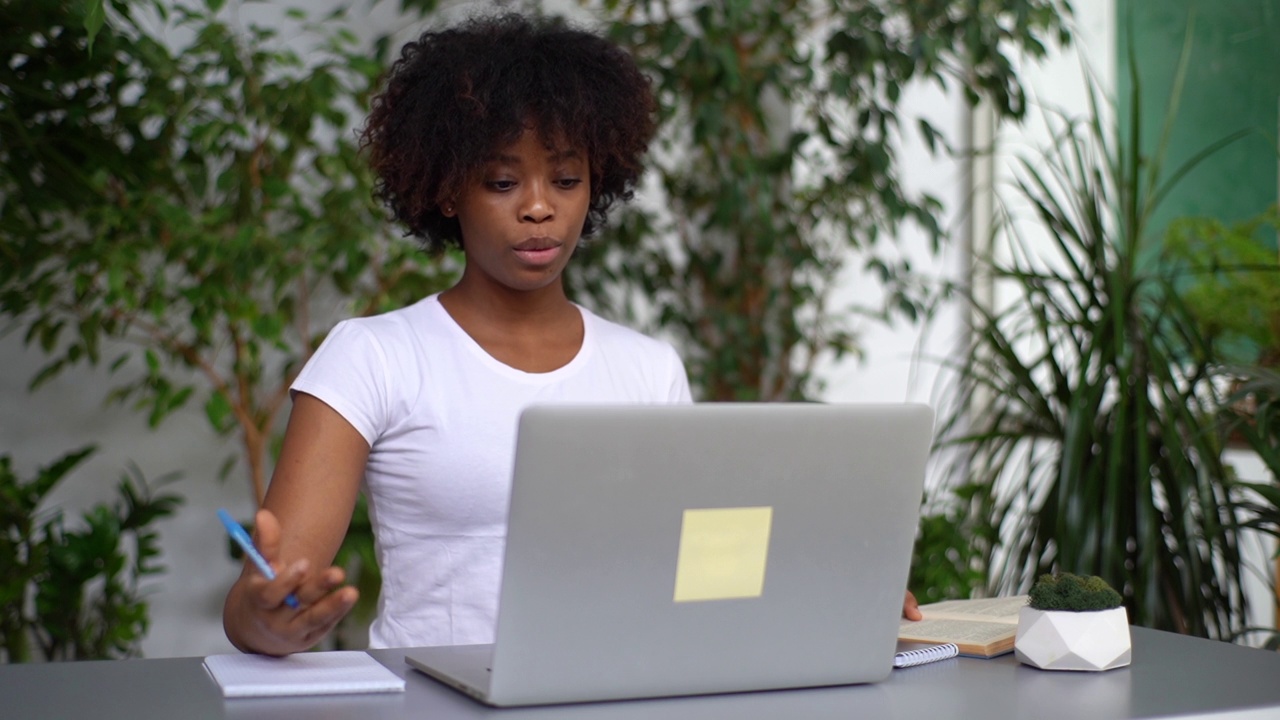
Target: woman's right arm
<point>301,525</point>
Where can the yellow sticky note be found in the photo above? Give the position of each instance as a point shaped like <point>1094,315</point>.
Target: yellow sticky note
<point>723,553</point>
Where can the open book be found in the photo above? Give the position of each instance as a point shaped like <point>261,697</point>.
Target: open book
<point>980,628</point>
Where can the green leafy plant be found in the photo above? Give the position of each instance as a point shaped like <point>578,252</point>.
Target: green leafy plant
<point>1083,415</point>
<point>947,558</point>
<point>1233,288</point>
<point>202,212</point>
<point>194,218</point>
<point>1073,593</point>
<point>1232,283</point>
<point>777,156</point>
<point>76,593</point>
<point>1252,415</point>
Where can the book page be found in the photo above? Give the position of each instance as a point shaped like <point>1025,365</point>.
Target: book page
<point>957,631</point>
<point>992,610</point>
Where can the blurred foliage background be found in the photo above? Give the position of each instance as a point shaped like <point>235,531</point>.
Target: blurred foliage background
<point>182,201</point>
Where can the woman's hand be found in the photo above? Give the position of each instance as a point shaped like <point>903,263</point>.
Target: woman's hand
<point>910,608</point>
<point>256,616</point>
<point>305,516</point>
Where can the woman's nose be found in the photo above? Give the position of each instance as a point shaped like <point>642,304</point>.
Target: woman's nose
<point>537,205</point>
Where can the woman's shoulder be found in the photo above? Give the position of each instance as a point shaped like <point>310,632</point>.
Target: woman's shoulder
<point>615,338</point>
<point>393,328</point>
<point>397,320</point>
<point>646,361</point>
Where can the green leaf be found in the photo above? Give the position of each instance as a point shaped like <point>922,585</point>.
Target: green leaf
<point>218,411</point>
<point>95,17</point>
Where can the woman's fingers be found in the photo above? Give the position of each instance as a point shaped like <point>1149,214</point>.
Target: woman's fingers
<point>322,599</point>
<point>319,618</point>
<point>317,586</point>
<point>266,592</point>
<point>911,608</point>
<point>290,629</point>
<point>266,536</point>
<point>270,594</point>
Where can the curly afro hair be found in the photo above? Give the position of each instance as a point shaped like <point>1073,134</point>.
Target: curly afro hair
<point>458,95</point>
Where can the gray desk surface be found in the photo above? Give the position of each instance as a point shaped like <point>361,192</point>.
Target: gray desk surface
<point>1170,675</point>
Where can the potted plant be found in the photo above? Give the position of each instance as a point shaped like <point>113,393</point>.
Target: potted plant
<point>77,590</point>
<point>1073,622</point>
<point>1079,428</point>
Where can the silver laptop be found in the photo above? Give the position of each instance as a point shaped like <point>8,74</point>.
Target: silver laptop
<point>681,550</point>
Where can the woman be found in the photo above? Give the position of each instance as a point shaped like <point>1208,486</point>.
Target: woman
<point>512,138</point>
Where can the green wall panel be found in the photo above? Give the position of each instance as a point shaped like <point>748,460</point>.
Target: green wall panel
<point>1233,83</point>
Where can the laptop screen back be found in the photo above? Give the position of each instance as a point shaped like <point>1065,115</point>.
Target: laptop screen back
<point>671,550</point>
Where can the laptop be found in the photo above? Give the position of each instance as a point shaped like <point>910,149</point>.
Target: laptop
<point>672,550</point>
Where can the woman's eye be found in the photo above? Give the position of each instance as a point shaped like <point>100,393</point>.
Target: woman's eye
<point>569,182</point>
<point>501,185</point>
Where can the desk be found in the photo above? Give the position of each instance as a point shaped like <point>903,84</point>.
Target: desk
<point>1171,675</point>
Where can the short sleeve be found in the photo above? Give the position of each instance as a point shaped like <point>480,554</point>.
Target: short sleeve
<point>348,372</point>
<point>678,386</point>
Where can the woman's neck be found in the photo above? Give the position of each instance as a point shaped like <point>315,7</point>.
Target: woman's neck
<point>501,306</point>
<point>537,331</point>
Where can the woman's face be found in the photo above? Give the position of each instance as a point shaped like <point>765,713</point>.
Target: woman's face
<point>522,213</point>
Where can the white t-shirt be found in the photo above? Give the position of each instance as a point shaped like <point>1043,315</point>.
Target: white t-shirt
<point>439,414</point>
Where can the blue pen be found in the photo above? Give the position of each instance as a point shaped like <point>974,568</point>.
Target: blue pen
<point>246,544</point>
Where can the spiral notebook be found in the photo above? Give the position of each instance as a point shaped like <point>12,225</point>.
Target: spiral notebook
<point>910,654</point>
<point>308,673</point>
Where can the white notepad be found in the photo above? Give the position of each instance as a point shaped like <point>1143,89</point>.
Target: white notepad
<point>912,654</point>
<point>311,673</point>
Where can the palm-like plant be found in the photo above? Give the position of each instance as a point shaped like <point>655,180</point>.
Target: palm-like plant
<point>1252,415</point>
<point>1084,411</point>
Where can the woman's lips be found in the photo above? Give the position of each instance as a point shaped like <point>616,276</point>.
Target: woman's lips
<point>538,251</point>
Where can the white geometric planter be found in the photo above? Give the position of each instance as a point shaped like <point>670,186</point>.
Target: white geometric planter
<point>1064,640</point>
